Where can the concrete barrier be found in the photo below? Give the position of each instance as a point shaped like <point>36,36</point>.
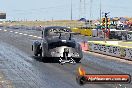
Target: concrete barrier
<point>129,36</point>
<point>86,32</point>
<point>84,46</point>
<point>110,49</point>
<point>76,30</point>
<point>82,31</point>
<point>126,53</point>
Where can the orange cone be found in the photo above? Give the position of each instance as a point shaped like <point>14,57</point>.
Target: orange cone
<point>84,46</point>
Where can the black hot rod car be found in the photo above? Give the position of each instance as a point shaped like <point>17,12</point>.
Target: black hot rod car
<point>58,42</point>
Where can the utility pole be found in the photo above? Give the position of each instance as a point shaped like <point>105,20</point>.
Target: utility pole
<point>80,9</point>
<point>90,14</point>
<point>84,9</point>
<point>100,11</point>
<point>71,11</point>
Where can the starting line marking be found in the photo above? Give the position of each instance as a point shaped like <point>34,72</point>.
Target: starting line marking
<point>120,85</point>
<point>16,32</point>
<point>39,37</point>
<point>35,36</point>
<point>20,33</point>
<point>30,35</point>
<point>11,31</point>
<point>24,34</point>
<point>5,30</point>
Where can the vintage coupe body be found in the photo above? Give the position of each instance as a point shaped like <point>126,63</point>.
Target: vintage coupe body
<point>58,42</point>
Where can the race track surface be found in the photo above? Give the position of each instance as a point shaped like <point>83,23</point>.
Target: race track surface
<point>20,69</point>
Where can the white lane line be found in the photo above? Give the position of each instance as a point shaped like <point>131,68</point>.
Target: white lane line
<point>35,36</point>
<point>16,32</point>
<point>20,33</point>
<point>120,85</point>
<point>11,31</point>
<point>2,81</point>
<point>5,30</point>
<point>0,29</point>
<point>24,34</point>
<point>39,37</point>
<point>30,35</point>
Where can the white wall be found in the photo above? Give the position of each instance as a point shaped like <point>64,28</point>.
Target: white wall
<point>111,50</point>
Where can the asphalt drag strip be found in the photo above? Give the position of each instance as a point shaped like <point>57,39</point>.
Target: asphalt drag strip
<point>24,71</point>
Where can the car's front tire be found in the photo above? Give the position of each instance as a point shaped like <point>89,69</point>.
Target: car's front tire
<point>42,54</point>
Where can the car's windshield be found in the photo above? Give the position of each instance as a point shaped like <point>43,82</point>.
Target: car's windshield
<point>58,31</point>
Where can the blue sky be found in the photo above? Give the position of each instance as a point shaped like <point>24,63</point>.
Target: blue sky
<point>60,9</point>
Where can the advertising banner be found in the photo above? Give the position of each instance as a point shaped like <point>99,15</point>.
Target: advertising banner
<point>112,50</point>
<point>2,15</point>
